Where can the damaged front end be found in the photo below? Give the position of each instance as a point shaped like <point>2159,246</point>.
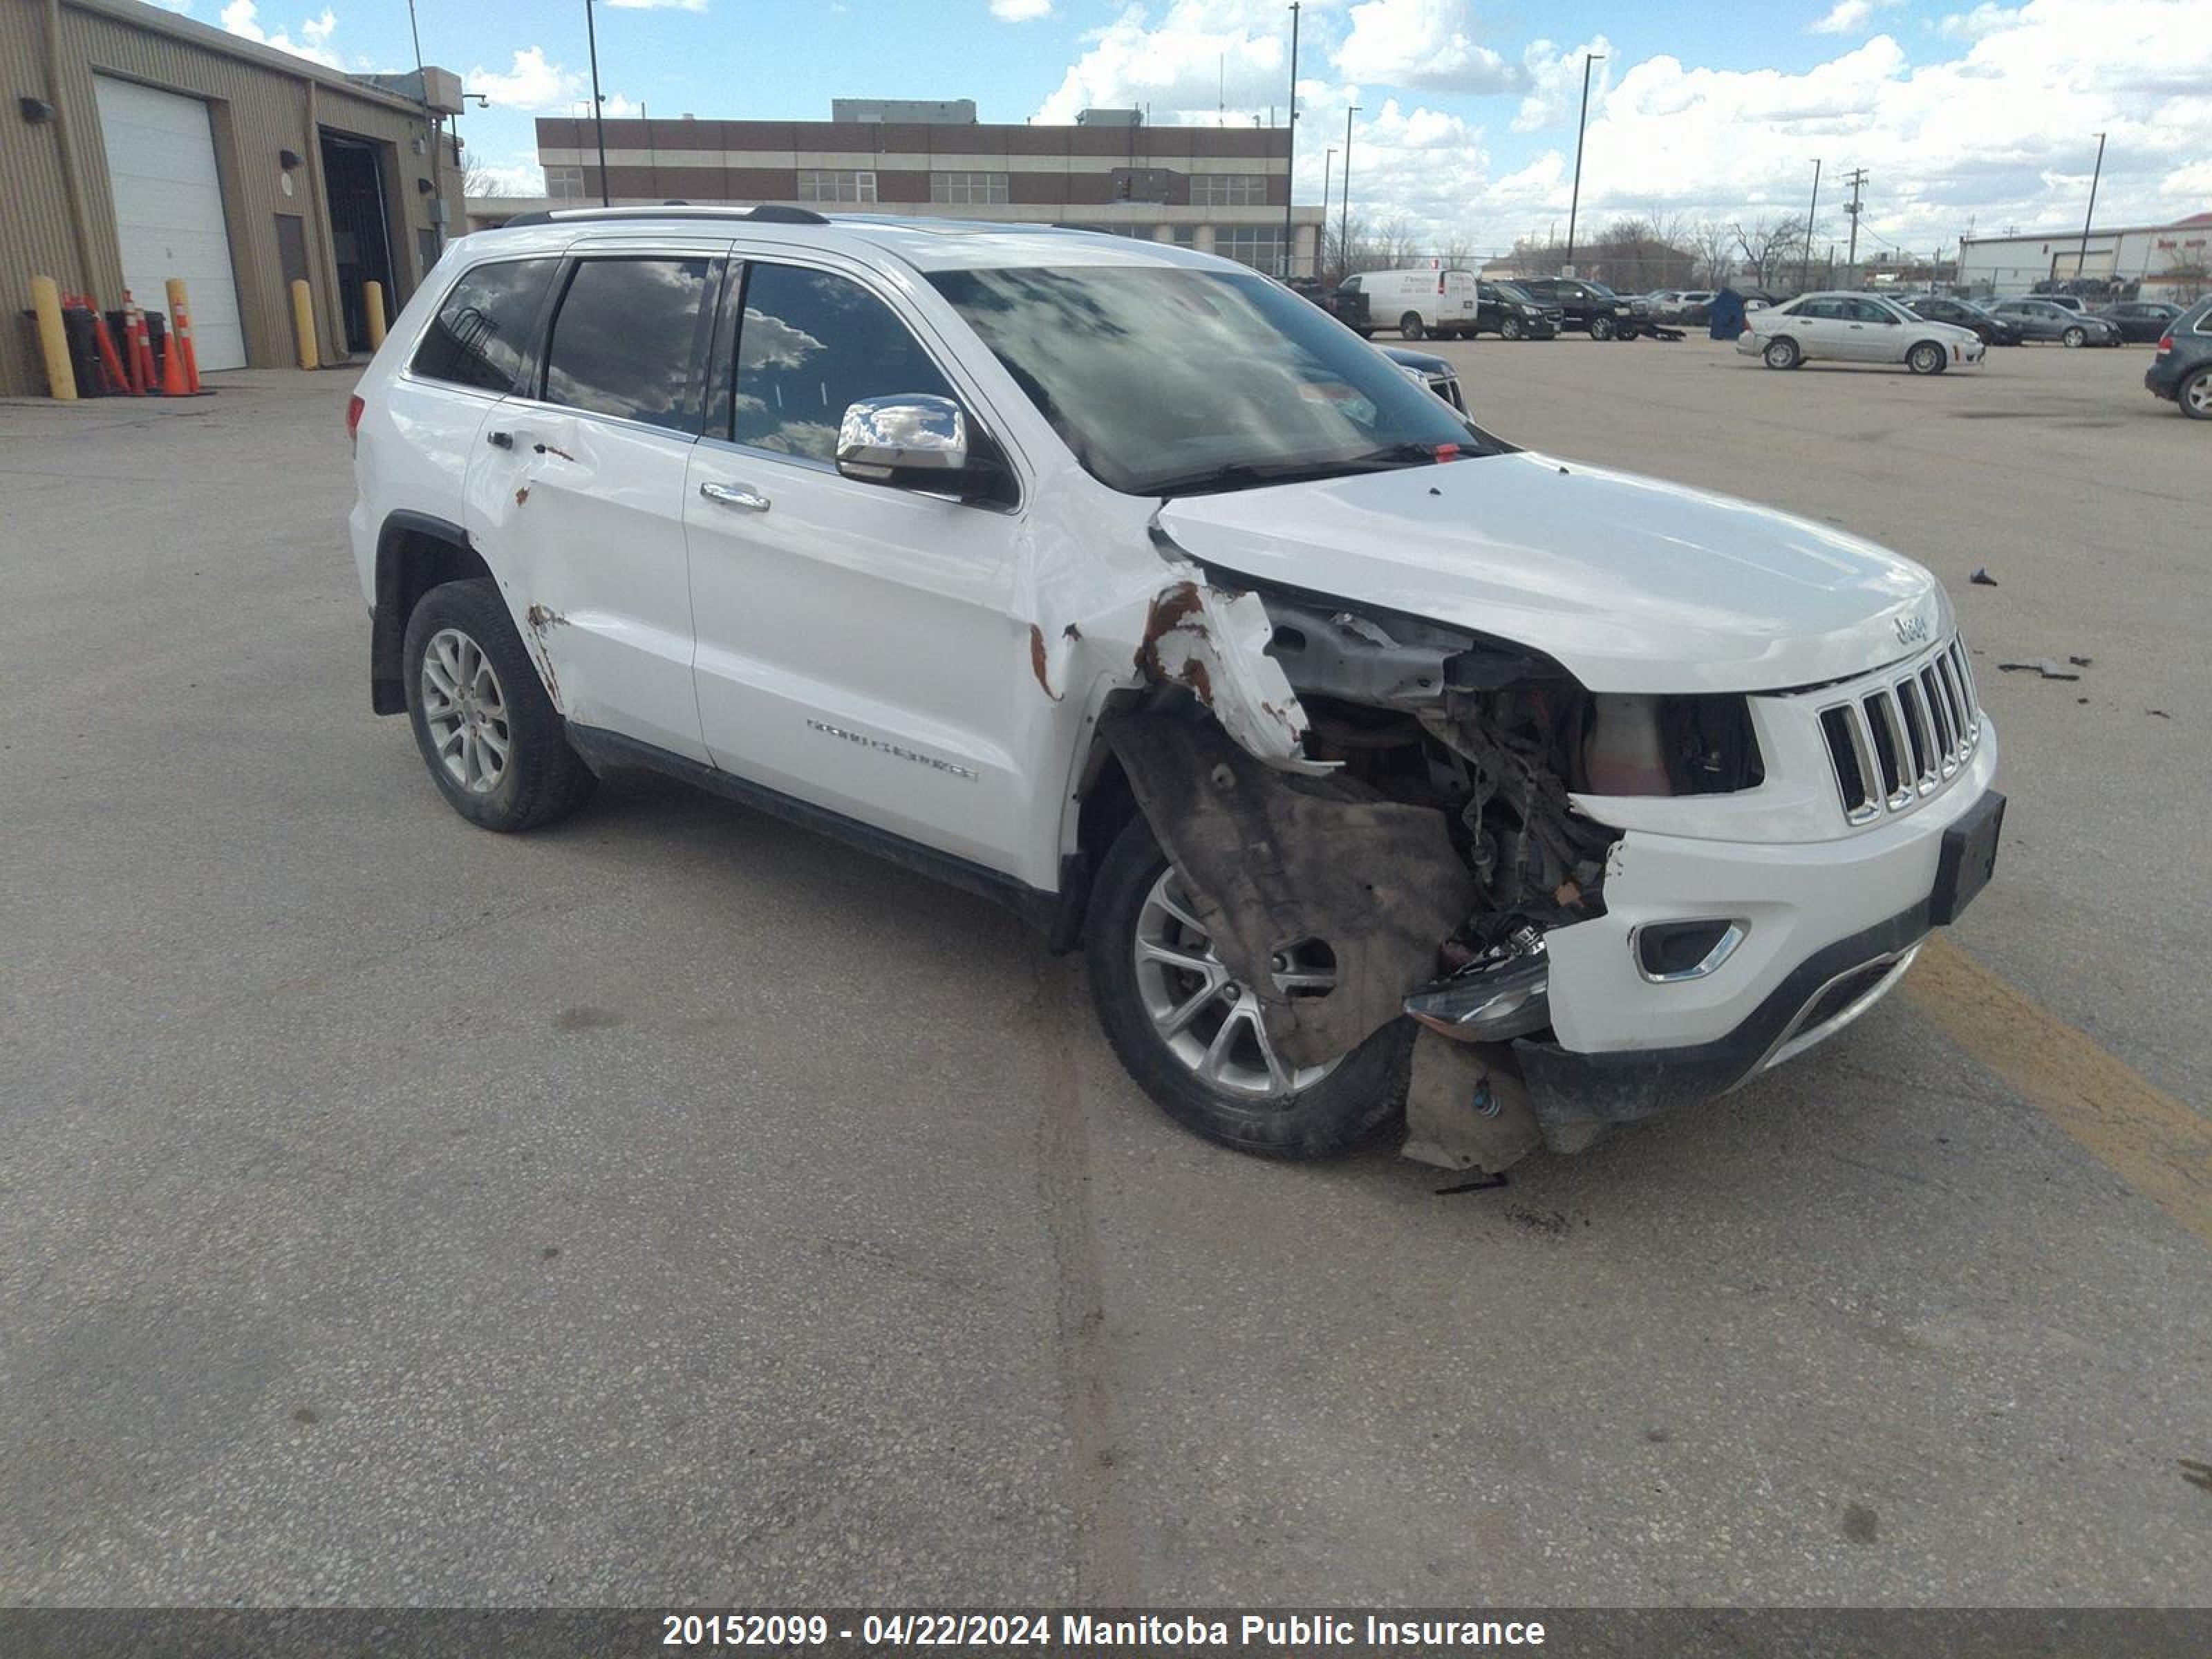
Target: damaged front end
<point>1393,797</point>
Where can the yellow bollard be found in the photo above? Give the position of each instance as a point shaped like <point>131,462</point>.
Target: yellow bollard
<point>53,339</point>
<point>303,323</point>
<point>372,302</point>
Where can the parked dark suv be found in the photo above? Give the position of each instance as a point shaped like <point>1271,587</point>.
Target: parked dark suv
<point>1591,306</point>
<point>2182,371</point>
<point>1964,313</point>
<point>1511,312</point>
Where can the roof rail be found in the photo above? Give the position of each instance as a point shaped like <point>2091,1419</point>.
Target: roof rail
<point>771,213</point>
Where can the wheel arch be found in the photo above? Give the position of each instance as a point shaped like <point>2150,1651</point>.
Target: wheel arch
<point>415,553</point>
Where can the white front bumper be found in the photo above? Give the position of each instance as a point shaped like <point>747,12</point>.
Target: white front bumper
<point>1795,899</point>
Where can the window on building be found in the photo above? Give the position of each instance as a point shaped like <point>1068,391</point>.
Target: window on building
<point>1184,235</point>
<point>565,184</point>
<point>835,184</point>
<point>1260,246</point>
<point>626,340</point>
<point>811,343</point>
<point>483,328</point>
<point>1229,190</point>
<point>968,188</point>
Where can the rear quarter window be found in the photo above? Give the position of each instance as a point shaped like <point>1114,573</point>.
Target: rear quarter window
<point>481,334</point>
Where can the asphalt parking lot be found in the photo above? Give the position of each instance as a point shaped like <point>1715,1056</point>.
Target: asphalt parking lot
<point>672,1206</point>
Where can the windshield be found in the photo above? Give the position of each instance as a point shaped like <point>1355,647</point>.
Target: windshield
<point>1512,291</point>
<point>1172,381</point>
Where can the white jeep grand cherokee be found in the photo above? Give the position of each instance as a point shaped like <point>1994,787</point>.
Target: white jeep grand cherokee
<point>1378,766</point>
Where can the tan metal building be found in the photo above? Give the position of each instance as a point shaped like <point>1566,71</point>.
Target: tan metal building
<point>136,145</point>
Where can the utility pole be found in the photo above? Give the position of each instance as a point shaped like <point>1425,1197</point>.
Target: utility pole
<point>1812,216</point>
<point>1851,260</point>
<point>1575,202</point>
<point>2082,262</point>
<point>1321,236</point>
<point>598,104</point>
<point>1344,224</point>
<point>1291,148</point>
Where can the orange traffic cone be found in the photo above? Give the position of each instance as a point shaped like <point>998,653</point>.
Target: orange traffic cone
<point>181,330</point>
<point>142,375</point>
<point>173,384</point>
<point>110,360</point>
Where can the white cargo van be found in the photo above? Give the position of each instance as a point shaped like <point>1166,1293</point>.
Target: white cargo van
<point>1419,302</point>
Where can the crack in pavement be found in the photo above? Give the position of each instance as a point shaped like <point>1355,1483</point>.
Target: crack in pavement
<point>1106,1562</point>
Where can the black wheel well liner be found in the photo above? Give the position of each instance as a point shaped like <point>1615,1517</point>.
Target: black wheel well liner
<point>415,553</point>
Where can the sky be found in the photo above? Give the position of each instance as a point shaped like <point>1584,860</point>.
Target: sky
<point>1980,118</point>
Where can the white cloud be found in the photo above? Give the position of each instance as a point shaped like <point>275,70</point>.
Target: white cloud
<point>1985,19</point>
<point>1554,79</point>
<point>1199,54</point>
<point>242,18</point>
<point>2003,132</point>
<point>1849,16</point>
<point>533,86</point>
<point>1020,11</point>
<point>509,176</point>
<point>1424,44</point>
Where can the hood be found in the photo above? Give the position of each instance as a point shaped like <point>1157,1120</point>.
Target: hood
<point>1630,584</point>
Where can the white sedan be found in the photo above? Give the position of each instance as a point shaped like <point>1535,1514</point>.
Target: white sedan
<point>1854,328</point>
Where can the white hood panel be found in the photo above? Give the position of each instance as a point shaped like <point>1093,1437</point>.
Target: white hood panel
<point>1630,584</point>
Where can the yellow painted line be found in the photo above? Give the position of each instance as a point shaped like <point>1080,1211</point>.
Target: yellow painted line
<point>2155,1143</point>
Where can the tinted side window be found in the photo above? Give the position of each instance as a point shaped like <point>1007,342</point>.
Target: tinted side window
<point>483,328</point>
<point>626,340</point>
<point>808,345</point>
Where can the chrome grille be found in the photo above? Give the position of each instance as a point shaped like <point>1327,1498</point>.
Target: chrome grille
<point>1902,739</point>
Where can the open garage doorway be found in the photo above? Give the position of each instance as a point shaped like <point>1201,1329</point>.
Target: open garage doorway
<point>353,179</point>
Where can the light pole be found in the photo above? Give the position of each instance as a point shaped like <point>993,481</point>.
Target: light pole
<point>1290,146</point>
<point>1328,165</point>
<point>2082,262</point>
<point>598,104</point>
<point>1575,202</point>
<point>1344,223</point>
<point>1812,214</point>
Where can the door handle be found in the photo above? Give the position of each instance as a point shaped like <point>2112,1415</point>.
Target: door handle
<point>743,496</point>
<point>499,440</point>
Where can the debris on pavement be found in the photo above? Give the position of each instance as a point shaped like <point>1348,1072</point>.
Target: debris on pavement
<point>1981,578</point>
<point>2047,669</point>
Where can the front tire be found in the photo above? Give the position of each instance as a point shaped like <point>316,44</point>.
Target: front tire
<point>1782,353</point>
<point>1927,358</point>
<point>2075,336</point>
<point>494,742</point>
<point>1409,325</point>
<point>1511,329</point>
<point>1191,1038</point>
<point>1601,328</point>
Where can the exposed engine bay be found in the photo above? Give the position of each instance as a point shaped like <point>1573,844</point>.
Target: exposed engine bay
<point>1395,795</point>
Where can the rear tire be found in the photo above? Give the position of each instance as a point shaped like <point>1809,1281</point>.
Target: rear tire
<point>496,747</point>
<point>1409,325</point>
<point>1601,328</point>
<point>2194,396</point>
<point>1782,353</point>
<point>1349,1103</point>
<point>1927,358</point>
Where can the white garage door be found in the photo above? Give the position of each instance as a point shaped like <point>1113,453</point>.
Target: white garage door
<point>168,211</point>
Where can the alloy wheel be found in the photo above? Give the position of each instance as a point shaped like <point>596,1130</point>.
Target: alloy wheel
<point>464,709</point>
<point>1208,1021</point>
